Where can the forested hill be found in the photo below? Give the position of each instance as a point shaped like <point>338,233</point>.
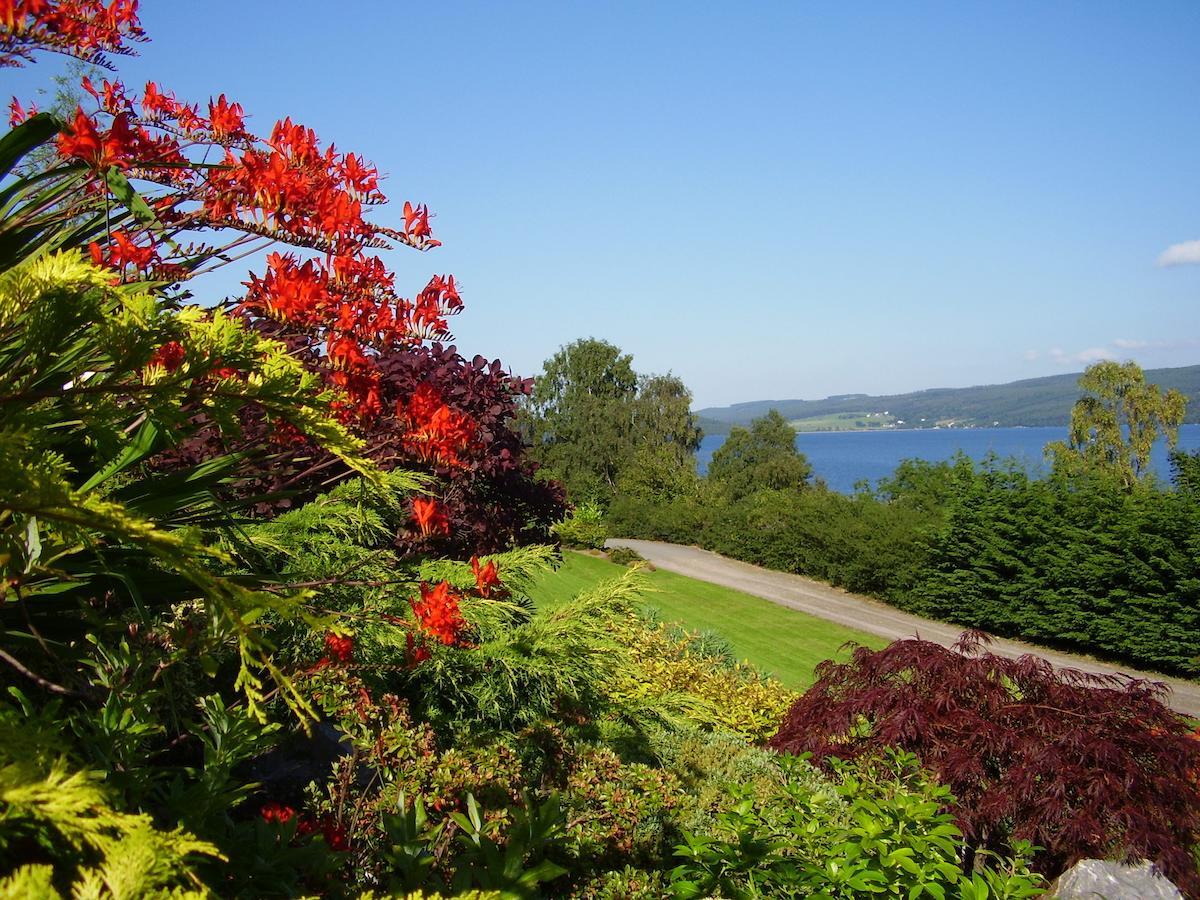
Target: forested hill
<point>1033,401</point>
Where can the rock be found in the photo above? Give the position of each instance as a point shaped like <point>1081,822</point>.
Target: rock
<point>286,770</point>
<point>1097,879</point>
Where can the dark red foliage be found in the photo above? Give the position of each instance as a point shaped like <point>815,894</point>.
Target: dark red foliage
<point>492,495</point>
<point>489,494</point>
<point>1081,765</point>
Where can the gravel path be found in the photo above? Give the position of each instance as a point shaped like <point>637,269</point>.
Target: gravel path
<point>819,599</point>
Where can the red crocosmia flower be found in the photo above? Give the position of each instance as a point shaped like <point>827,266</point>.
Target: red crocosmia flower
<point>414,653</point>
<point>487,580</point>
<point>123,251</point>
<point>156,103</point>
<point>226,119</point>
<point>335,835</point>
<point>361,178</point>
<point>340,647</point>
<point>436,433</point>
<point>438,612</point>
<point>170,356</point>
<point>430,517</point>
<point>416,220</point>
<point>425,401</point>
<point>82,28</point>
<point>80,140</point>
<point>112,98</point>
<point>362,389</point>
<point>113,148</point>
<point>17,113</point>
<point>289,290</point>
<point>277,812</point>
<point>286,434</point>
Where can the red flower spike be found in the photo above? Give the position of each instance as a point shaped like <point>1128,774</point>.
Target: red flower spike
<point>487,580</point>
<point>414,653</point>
<point>86,29</point>
<point>438,612</point>
<point>170,356</point>
<point>436,433</point>
<point>226,120</point>
<point>335,835</point>
<point>279,813</point>
<point>340,647</point>
<point>123,251</point>
<point>18,114</point>
<point>430,517</point>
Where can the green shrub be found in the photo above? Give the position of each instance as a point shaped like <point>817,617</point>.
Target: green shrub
<point>676,521</point>
<point>1078,562</point>
<point>876,828</point>
<point>583,529</point>
<point>667,670</point>
<point>619,813</point>
<point>625,556</point>
<point>626,883</point>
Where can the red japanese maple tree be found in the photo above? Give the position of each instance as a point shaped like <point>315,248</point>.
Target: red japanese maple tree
<point>1081,765</point>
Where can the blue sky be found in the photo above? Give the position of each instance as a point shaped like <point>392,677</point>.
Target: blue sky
<point>769,199</point>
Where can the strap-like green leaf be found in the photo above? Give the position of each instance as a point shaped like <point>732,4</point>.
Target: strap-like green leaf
<point>127,195</point>
<point>139,448</point>
<point>30,134</point>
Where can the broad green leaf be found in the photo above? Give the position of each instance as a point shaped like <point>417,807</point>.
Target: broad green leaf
<point>30,134</point>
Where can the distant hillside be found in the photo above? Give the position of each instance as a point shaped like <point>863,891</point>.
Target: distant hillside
<point>1034,401</point>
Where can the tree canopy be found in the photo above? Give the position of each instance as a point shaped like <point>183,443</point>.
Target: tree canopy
<point>761,456</point>
<point>590,412</point>
<point>1116,422</point>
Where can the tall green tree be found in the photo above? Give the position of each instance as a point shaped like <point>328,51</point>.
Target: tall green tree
<point>579,417</point>
<point>591,417</point>
<point>761,456</point>
<point>663,418</point>
<point>1116,422</point>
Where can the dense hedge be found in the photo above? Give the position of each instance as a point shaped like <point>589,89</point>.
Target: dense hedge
<point>1077,564</point>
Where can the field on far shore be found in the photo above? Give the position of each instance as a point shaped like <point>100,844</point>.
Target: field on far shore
<point>847,421</point>
<point>784,642</point>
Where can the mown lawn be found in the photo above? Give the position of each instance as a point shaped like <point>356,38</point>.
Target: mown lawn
<point>786,643</point>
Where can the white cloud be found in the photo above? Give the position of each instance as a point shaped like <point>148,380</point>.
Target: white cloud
<point>1184,254</point>
<point>1118,348</point>
<point>1081,357</point>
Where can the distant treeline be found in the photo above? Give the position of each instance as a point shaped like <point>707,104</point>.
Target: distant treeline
<point>1032,402</point>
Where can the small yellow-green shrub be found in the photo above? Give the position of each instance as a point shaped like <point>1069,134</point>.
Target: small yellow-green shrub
<point>709,693</point>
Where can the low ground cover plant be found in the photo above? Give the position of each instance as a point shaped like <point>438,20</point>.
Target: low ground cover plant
<point>625,556</point>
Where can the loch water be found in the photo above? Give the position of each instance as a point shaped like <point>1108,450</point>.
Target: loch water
<point>845,457</point>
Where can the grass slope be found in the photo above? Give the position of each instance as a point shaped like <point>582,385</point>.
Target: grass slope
<point>786,643</point>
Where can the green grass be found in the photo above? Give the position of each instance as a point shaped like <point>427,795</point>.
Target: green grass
<point>782,641</point>
<point>847,421</point>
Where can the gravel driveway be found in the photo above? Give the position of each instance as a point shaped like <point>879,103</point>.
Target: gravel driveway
<point>855,611</point>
